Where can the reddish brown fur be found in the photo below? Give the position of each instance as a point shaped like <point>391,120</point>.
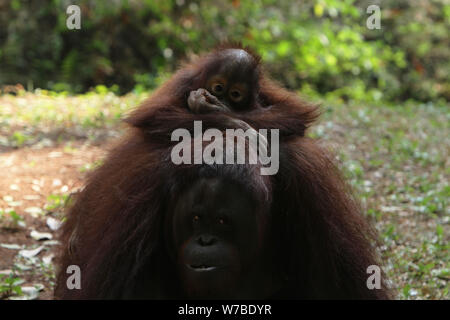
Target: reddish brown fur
<point>167,109</point>
<point>321,242</point>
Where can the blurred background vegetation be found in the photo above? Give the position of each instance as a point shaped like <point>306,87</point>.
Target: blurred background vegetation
<point>319,47</point>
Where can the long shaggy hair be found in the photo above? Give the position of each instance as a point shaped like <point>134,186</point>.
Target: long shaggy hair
<point>321,243</point>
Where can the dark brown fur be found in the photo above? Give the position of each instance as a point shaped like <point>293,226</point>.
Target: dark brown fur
<point>321,242</point>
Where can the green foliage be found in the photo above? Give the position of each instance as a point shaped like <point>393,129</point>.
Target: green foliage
<point>15,217</point>
<point>55,202</point>
<point>321,47</point>
<point>11,220</point>
<point>10,285</point>
<point>19,138</point>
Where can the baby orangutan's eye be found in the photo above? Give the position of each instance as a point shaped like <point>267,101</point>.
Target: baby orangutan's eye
<point>218,88</point>
<point>236,95</point>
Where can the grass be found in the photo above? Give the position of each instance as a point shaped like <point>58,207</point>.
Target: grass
<point>28,118</point>
<point>396,157</point>
<point>397,160</point>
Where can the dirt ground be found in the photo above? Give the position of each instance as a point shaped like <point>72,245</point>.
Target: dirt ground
<point>28,176</point>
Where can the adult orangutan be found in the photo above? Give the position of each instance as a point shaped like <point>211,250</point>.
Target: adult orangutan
<point>145,228</point>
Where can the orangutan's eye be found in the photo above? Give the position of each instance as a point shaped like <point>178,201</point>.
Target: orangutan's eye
<point>218,88</point>
<point>236,95</point>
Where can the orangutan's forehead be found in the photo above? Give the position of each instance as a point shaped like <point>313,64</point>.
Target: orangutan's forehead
<point>237,61</point>
<point>238,55</point>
